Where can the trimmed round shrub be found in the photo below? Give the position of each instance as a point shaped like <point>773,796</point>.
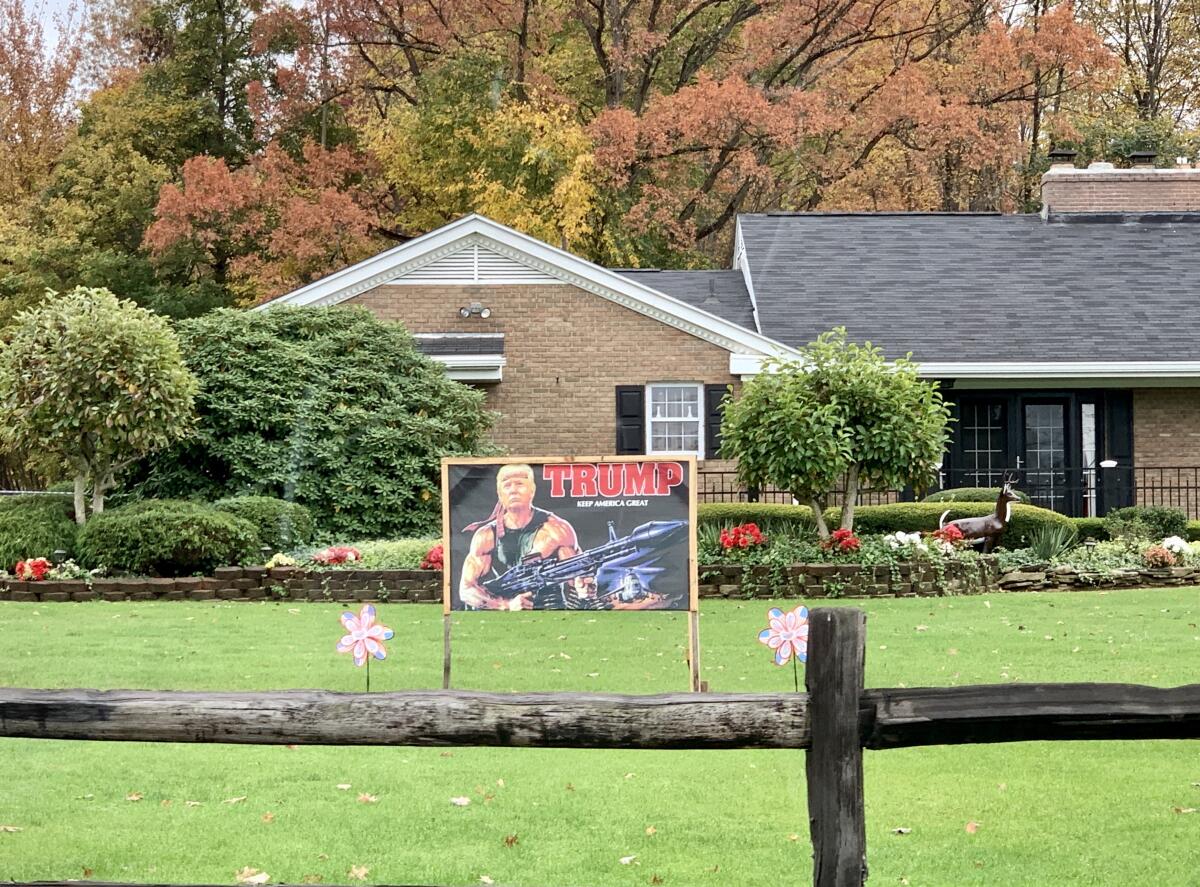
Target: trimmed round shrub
<point>166,538</point>
<point>281,524</point>
<point>1193,531</point>
<point>972,494</point>
<point>1090,528</point>
<point>35,526</point>
<point>1152,522</point>
<point>913,517</point>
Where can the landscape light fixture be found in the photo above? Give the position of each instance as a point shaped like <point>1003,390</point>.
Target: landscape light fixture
<point>475,308</point>
<point>1109,463</point>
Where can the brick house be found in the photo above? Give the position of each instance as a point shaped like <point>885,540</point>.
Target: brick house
<point>1063,339</point>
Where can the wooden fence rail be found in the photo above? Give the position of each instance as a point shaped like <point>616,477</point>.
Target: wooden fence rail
<point>835,720</point>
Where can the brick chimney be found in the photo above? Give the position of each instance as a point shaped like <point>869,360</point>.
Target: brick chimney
<point>1102,188</point>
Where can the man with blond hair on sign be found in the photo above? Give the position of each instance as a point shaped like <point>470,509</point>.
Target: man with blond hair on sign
<point>515,531</point>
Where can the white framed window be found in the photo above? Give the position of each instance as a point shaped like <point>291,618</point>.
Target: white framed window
<point>675,418</point>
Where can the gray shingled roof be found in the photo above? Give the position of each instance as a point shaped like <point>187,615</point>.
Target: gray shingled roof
<point>722,293</point>
<point>982,287</point>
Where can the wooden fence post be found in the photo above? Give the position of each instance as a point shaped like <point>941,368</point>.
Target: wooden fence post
<point>834,680</point>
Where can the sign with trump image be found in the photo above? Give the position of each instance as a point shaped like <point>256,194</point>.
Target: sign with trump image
<point>612,533</point>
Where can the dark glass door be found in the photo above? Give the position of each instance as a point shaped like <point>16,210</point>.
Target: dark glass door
<point>1045,456</point>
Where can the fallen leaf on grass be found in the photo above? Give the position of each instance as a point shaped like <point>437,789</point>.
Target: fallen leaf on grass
<point>460,801</point>
<point>656,880</point>
<point>133,796</point>
<point>626,860</point>
<point>364,798</point>
<point>312,879</point>
<point>84,797</point>
<point>629,775</point>
<point>234,800</point>
<point>358,872</point>
<point>901,831</point>
<point>11,828</point>
<point>446,754</point>
<point>1183,809</point>
<point>484,879</point>
<point>971,827</point>
<point>193,804</point>
<point>343,786</point>
<point>651,830</point>
<point>570,787</point>
<point>922,628</point>
<point>268,817</point>
<point>511,841</point>
<point>165,802</point>
<point>793,837</point>
<point>252,876</point>
<point>500,783</point>
<point>87,873</point>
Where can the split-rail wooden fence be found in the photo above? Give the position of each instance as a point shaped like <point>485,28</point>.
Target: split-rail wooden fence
<point>834,721</point>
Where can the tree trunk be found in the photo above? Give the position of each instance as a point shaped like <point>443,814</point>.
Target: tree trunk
<point>818,516</point>
<point>851,495</point>
<point>80,499</point>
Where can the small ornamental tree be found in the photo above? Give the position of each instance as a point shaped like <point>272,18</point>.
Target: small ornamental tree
<point>88,384</point>
<point>840,420</point>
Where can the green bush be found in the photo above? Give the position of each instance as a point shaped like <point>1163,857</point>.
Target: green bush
<point>972,494</point>
<point>166,538</point>
<point>1145,522</point>
<point>1193,531</point>
<point>281,524</point>
<point>1093,528</point>
<point>393,554</point>
<point>332,408</point>
<point>35,526</point>
<point>913,517</point>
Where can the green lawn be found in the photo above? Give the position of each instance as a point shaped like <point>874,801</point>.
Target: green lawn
<point>1046,813</point>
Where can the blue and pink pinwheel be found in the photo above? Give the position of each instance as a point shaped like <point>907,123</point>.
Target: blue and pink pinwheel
<point>364,636</point>
<point>786,634</point>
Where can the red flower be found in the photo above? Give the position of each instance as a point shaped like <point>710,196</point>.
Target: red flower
<point>34,569</point>
<point>433,558</point>
<point>742,536</point>
<point>949,533</point>
<point>842,540</point>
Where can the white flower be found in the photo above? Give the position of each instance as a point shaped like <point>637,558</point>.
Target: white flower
<point>900,539</point>
<point>1175,545</point>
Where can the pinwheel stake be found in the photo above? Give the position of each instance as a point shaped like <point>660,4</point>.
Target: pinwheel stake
<point>364,638</point>
<point>787,635</point>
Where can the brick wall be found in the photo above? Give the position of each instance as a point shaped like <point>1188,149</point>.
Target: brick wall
<point>1066,189</point>
<point>1166,427</point>
<point>566,352</point>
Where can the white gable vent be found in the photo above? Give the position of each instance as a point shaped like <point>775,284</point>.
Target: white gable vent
<point>475,264</point>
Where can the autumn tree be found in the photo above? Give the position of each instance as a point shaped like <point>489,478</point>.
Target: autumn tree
<point>36,97</point>
<point>272,225</point>
<point>89,384</point>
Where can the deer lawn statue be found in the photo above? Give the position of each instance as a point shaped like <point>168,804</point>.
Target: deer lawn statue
<point>990,527</point>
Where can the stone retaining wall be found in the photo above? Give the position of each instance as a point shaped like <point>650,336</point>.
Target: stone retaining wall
<point>425,586</point>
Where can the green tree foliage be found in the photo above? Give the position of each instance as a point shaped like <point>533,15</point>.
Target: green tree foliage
<point>35,526</point>
<point>328,407</point>
<point>89,384</point>
<point>840,420</point>
<point>282,525</point>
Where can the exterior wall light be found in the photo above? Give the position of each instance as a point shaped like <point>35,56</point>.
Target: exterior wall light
<point>475,308</point>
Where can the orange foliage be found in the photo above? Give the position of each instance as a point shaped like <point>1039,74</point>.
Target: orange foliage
<point>272,225</point>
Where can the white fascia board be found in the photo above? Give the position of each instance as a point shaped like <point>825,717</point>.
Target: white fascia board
<point>472,367</point>
<point>741,262</point>
<point>1148,369</point>
<point>751,365</point>
<point>558,263</point>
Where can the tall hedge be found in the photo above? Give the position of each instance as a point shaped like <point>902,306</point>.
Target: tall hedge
<point>328,407</point>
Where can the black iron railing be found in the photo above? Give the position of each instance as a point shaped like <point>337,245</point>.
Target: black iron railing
<point>1080,492</point>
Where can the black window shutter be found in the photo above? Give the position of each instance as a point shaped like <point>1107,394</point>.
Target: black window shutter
<point>631,420</point>
<point>713,395</point>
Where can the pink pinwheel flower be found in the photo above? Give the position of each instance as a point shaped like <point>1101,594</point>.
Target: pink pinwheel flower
<point>365,636</point>
<point>787,634</point>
